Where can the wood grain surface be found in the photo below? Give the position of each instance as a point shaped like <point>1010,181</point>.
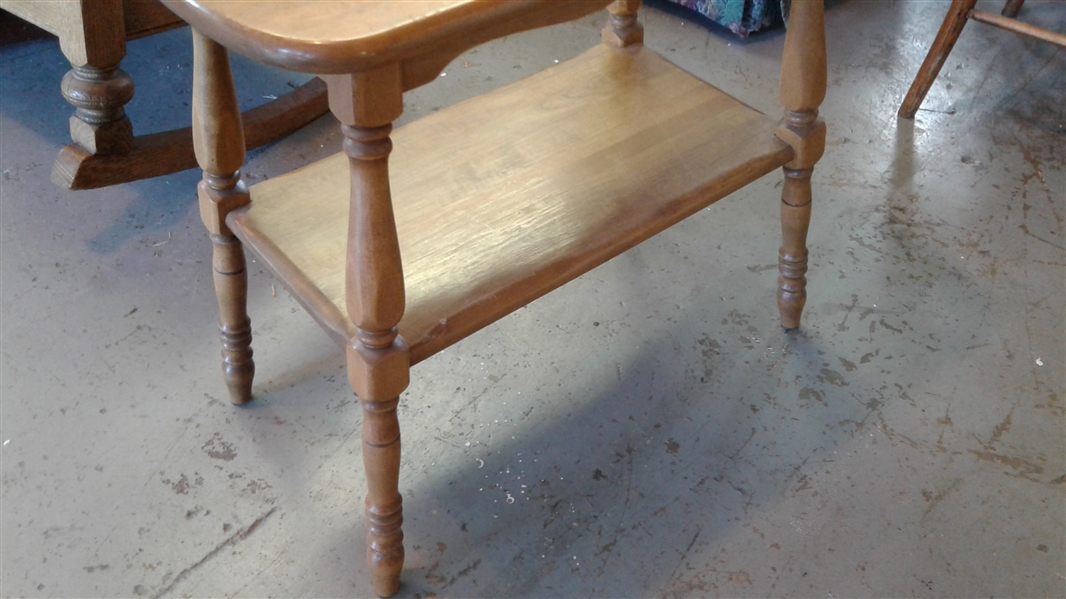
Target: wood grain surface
<point>500,199</point>
<point>358,35</point>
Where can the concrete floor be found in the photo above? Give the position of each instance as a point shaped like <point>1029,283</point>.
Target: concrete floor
<point>647,431</point>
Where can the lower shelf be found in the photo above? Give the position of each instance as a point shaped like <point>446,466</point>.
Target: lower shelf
<point>504,197</point>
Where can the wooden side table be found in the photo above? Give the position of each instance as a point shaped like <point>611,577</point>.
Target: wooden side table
<point>496,200</point>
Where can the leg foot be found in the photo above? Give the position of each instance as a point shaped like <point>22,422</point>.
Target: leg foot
<point>792,259</point>
<point>235,328</point>
<point>384,506</point>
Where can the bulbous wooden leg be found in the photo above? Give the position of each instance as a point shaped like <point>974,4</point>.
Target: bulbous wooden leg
<point>377,358</point>
<point>99,123</point>
<point>235,328</point>
<point>378,364</point>
<point>384,506</point>
<point>792,259</point>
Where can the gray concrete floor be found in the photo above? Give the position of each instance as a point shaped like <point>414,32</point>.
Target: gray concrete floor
<point>647,431</point>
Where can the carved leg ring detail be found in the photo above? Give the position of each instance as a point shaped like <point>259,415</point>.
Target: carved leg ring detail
<point>792,259</point>
<point>235,328</point>
<point>384,506</point>
<point>99,123</point>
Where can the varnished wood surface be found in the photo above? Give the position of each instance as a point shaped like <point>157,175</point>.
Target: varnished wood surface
<point>89,32</point>
<point>140,17</point>
<point>507,196</point>
<point>359,35</point>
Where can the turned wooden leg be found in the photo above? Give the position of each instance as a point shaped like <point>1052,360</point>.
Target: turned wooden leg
<point>938,54</point>
<point>235,328</point>
<point>378,363</point>
<point>377,357</point>
<point>622,28</point>
<point>99,123</point>
<point>92,36</point>
<point>384,506</point>
<point>1012,8</point>
<point>218,139</point>
<point>803,85</point>
<point>792,259</point>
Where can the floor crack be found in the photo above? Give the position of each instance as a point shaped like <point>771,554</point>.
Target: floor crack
<point>233,539</point>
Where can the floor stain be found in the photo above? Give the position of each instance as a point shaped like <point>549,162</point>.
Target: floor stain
<point>464,572</point>
<point>183,484</point>
<point>1024,468</point>
<point>934,499</point>
<point>219,449</point>
<point>741,578</point>
<point>865,359</point>
<point>1000,429</point>
<point>808,393</point>
<point>834,378</point>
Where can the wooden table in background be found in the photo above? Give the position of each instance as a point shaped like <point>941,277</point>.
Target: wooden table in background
<point>92,35</point>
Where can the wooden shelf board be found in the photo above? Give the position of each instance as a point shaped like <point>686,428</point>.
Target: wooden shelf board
<point>502,198</point>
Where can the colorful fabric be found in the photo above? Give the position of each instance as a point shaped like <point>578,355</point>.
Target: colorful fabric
<point>740,16</point>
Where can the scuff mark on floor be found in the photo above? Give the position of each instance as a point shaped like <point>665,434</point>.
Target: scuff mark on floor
<point>233,539</point>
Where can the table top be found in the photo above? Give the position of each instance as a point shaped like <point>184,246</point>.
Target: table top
<point>345,36</point>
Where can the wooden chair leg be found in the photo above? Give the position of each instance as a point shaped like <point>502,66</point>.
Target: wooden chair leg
<point>218,139</point>
<point>1012,8</point>
<point>792,259</point>
<point>938,54</point>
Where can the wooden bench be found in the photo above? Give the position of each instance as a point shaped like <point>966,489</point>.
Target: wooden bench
<point>494,201</point>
